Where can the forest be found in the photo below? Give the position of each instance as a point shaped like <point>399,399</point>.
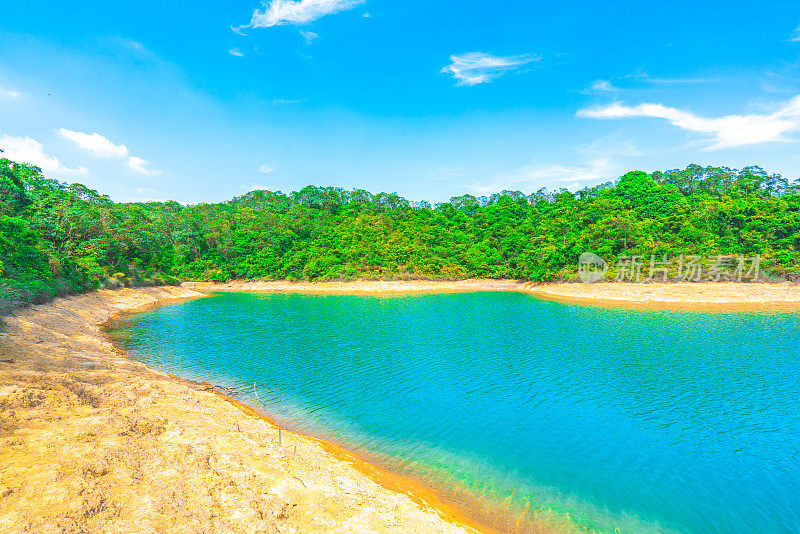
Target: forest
<point>58,238</point>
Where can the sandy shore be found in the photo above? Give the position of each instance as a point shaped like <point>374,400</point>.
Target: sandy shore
<point>91,441</point>
<point>679,296</point>
<point>360,286</point>
<point>671,295</point>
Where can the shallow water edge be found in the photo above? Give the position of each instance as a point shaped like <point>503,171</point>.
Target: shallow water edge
<point>122,402</point>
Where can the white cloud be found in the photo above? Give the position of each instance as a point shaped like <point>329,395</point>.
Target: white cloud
<point>266,169</point>
<point>309,36</point>
<point>235,52</point>
<point>601,86</point>
<point>9,93</point>
<point>102,147</point>
<point>796,35</point>
<point>279,12</point>
<point>725,132</point>
<point>27,150</point>
<point>477,67</point>
<point>139,165</point>
<point>95,143</point>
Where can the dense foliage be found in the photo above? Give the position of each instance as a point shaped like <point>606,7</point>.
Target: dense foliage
<point>57,238</point>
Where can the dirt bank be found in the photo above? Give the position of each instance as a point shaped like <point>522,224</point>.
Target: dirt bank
<point>91,441</point>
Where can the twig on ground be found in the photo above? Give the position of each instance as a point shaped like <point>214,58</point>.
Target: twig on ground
<point>224,389</point>
<point>256,392</point>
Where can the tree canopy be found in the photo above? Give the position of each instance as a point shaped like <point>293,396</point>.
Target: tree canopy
<point>58,238</point>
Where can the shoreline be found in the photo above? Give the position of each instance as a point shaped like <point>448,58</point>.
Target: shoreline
<point>671,295</point>
<point>357,287</point>
<point>79,419</point>
<point>93,439</point>
<point>686,296</point>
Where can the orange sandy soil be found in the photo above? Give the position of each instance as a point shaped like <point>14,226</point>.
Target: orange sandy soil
<point>360,286</point>
<point>687,295</point>
<point>91,441</point>
<point>673,295</point>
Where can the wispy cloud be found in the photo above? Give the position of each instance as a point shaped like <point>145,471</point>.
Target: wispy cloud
<point>535,177</point>
<point>299,12</point>
<point>28,150</point>
<point>595,169</point>
<point>446,173</point>
<point>238,30</point>
<point>255,187</point>
<point>235,52</point>
<point>286,101</point>
<point>265,169</point>
<point>310,37</point>
<point>638,80</point>
<point>795,35</point>
<point>656,80</point>
<point>725,132</point>
<point>137,47</point>
<point>783,80</point>
<point>600,160</point>
<point>102,147</point>
<point>129,48</point>
<point>600,86</point>
<point>475,68</point>
<point>140,165</point>
<point>9,93</point>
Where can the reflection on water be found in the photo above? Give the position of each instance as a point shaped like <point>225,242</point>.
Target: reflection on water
<point>638,420</point>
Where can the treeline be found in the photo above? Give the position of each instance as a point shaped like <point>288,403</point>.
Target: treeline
<point>58,238</point>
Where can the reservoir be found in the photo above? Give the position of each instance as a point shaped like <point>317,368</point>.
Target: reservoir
<point>584,418</point>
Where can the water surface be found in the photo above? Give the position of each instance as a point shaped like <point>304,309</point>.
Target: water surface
<point>642,421</point>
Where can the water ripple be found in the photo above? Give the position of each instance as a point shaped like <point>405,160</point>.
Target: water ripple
<point>645,421</point>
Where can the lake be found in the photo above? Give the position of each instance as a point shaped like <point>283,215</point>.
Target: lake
<point>595,418</point>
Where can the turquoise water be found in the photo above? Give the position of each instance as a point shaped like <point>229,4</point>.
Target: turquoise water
<point>645,421</point>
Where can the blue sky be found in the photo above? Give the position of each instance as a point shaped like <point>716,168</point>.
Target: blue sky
<point>203,102</point>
